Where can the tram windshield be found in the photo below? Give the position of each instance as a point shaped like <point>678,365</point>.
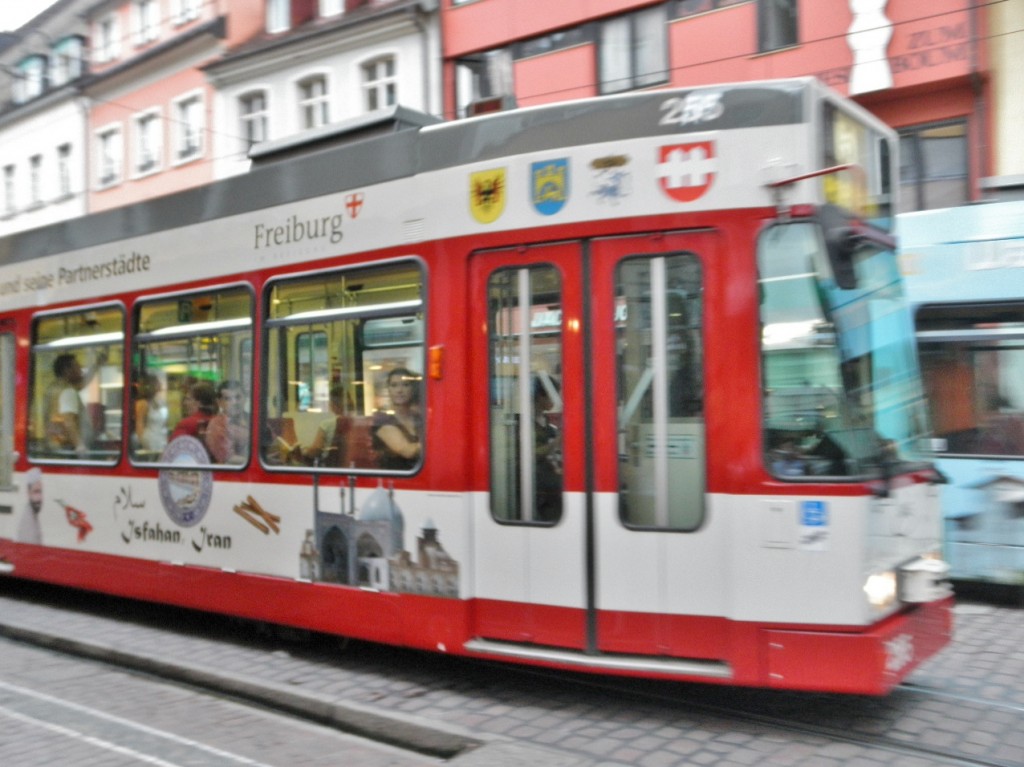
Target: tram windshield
<point>842,392</point>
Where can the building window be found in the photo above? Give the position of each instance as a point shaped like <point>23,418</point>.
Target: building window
<point>331,8</point>
<point>776,24</point>
<point>313,104</point>
<point>253,115</point>
<point>106,43</point>
<point>633,51</point>
<point>483,82</point>
<point>110,152</point>
<point>556,41</point>
<point>146,14</point>
<point>933,172</point>
<point>184,11</point>
<point>147,143</point>
<point>10,205</point>
<point>35,179</point>
<point>31,78</point>
<point>278,15</point>
<point>64,171</point>
<point>380,87</point>
<point>189,126</point>
<point>66,61</point>
<point>681,8</point>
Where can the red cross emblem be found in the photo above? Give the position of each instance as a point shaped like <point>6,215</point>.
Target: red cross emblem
<point>354,203</point>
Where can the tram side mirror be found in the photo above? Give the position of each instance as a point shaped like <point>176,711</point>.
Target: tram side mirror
<point>842,240</point>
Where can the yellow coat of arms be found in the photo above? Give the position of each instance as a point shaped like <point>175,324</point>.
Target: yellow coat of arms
<point>487,193</point>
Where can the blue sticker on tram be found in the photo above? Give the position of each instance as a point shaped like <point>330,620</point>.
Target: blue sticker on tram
<point>813,514</point>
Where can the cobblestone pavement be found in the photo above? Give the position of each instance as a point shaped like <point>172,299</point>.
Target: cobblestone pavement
<point>969,700</point>
<point>57,709</point>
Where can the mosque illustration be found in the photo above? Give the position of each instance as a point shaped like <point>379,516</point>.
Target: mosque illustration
<point>365,548</point>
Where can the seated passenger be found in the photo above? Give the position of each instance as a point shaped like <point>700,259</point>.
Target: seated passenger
<point>199,405</point>
<point>396,432</point>
<point>227,436</point>
<point>330,446</point>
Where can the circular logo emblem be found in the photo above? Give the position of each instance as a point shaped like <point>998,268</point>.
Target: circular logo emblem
<point>185,492</point>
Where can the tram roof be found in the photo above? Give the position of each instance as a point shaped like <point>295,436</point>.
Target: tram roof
<point>336,160</point>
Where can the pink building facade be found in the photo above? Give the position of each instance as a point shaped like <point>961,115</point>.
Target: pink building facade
<point>150,118</point>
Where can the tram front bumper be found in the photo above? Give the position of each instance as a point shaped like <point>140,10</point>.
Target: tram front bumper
<point>870,662</point>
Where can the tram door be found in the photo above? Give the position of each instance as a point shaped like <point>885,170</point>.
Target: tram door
<point>590,361</point>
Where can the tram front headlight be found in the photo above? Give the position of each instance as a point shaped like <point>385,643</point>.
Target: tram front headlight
<point>880,589</point>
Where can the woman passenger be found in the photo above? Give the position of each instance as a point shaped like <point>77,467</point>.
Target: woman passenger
<point>150,418</point>
<point>397,432</point>
<point>199,405</point>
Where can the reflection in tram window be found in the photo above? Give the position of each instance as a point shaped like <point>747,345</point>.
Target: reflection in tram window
<point>659,312</point>
<point>75,399</point>
<point>343,387</point>
<point>526,402</point>
<point>191,359</point>
<point>841,397</point>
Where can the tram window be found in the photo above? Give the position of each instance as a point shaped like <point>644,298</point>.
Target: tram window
<point>972,362</point>
<point>840,391</point>
<point>77,385</point>
<point>343,388</point>
<point>312,380</point>
<point>526,402</point>
<point>191,373</point>
<point>660,348</point>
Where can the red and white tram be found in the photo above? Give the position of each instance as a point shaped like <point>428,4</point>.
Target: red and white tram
<point>624,385</point>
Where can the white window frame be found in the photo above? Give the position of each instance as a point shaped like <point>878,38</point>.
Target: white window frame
<point>107,34</point>
<point>148,129</point>
<point>329,8</point>
<point>66,61</point>
<point>64,171</point>
<point>314,109</point>
<point>189,127</point>
<point>10,189</point>
<point>247,119</point>
<point>35,180</point>
<point>145,21</point>
<point>31,78</point>
<point>626,54</point>
<point>184,11</point>
<point>278,16</point>
<point>379,90</point>
<point>109,155</point>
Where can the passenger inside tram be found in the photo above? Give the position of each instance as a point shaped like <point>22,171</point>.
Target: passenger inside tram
<point>547,452</point>
<point>227,436</point>
<point>68,426</point>
<point>198,406</point>
<point>397,430</point>
<point>150,432</point>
